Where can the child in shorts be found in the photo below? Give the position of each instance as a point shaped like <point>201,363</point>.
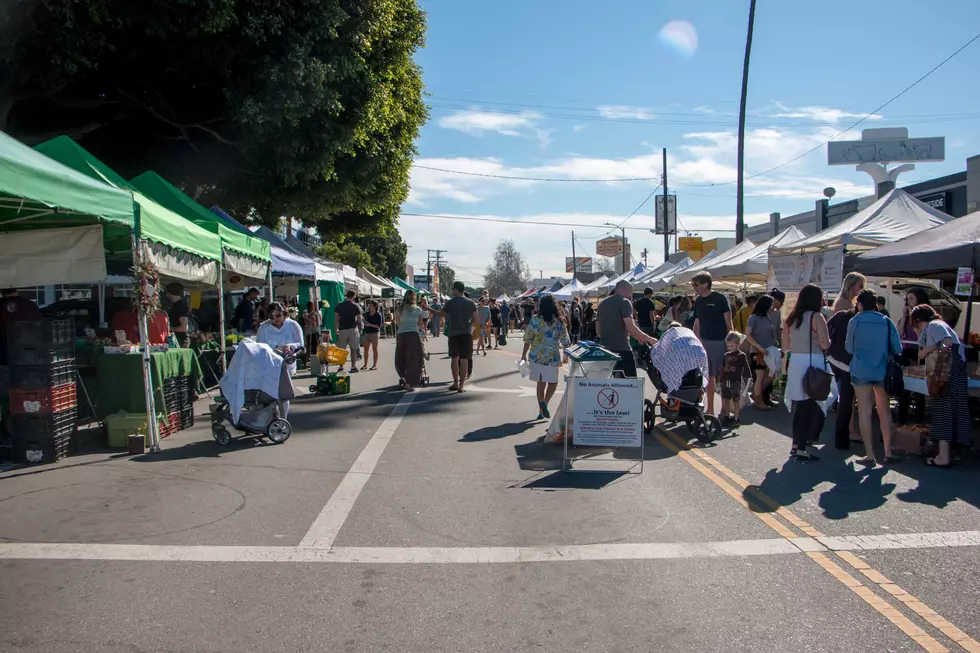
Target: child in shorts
<point>733,379</point>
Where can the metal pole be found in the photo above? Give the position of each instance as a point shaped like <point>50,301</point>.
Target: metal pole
<point>666,211</point>
<point>270,294</point>
<point>574,266</point>
<point>969,316</point>
<point>739,193</point>
<point>151,412</point>
<point>221,320</point>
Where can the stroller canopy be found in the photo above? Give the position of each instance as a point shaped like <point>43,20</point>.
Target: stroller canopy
<point>254,367</point>
<point>678,352</point>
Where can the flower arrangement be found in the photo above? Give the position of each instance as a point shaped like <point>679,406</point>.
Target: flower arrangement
<point>146,299</point>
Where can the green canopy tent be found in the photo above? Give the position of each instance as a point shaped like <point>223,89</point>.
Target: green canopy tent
<point>57,225</point>
<point>405,286</point>
<point>178,247</point>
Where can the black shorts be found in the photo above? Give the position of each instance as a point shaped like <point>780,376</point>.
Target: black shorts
<point>626,364</point>
<point>461,346</point>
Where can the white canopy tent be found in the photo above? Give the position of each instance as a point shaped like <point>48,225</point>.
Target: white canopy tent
<point>592,287</point>
<point>629,275</point>
<point>655,272</point>
<point>752,266</point>
<point>666,280</point>
<point>379,282</point>
<point>819,258</point>
<point>707,263</point>
<point>574,288</point>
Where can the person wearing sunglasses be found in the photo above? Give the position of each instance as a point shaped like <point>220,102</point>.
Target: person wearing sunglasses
<point>282,333</point>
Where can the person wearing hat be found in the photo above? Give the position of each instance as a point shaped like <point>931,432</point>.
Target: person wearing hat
<point>179,312</point>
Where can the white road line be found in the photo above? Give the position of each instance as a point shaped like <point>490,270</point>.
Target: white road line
<point>395,555</point>
<point>901,541</point>
<point>478,554</point>
<point>330,520</point>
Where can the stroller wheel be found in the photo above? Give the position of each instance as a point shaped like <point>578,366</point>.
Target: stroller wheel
<point>312,389</point>
<point>279,430</point>
<point>714,427</point>
<point>649,416</point>
<point>222,437</point>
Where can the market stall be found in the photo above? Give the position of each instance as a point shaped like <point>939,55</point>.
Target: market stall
<point>752,266</point>
<point>670,279</point>
<point>168,244</point>
<point>573,289</point>
<point>630,275</point>
<point>707,264</point>
<point>819,258</point>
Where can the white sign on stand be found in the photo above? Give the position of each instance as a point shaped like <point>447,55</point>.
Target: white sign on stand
<point>608,412</point>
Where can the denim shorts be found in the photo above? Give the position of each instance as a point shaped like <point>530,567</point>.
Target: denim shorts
<point>856,382</point>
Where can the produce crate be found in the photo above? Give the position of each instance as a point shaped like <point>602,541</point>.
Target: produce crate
<point>49,331</point>
<point>29,377</point>
<point>43,438</point>
<point>40,354</point>
<point>44,400</point>
<point>186,417</point>
<point>169,425</point>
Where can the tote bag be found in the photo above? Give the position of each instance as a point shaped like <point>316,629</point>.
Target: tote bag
<point>816,382</point>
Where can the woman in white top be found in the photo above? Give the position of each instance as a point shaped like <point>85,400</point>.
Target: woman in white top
<point>408,343</point>
<point>284,335</point>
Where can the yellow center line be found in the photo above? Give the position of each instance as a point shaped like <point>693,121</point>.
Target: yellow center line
<point>691,455</point>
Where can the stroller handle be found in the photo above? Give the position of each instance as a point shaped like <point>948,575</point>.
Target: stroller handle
<point>291,357</point>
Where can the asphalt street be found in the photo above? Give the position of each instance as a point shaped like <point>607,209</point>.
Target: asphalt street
<point>443,522</point>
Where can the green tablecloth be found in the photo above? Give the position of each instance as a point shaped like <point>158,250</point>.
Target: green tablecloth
<point>121,378</point>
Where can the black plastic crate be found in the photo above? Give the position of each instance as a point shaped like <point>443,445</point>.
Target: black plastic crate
<point>44,425</point>
<point>29,377</point>
<point>48,331</point>
<point>40,354</point>
<point>186,417</point>
<point>42,450</point>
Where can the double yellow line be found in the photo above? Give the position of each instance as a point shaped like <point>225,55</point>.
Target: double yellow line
<point>738,488</point>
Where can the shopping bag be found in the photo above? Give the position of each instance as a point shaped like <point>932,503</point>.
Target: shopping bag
<point>524,369</point>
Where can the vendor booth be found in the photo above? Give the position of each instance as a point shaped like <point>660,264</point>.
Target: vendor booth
<point>752,267</point>
<point>630,275</point>
<point>670,279</point>
<point>573,289</point>
<point>707,264</point>
<point>819,258</point>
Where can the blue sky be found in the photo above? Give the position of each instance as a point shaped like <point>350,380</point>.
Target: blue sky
<point>573,89</point>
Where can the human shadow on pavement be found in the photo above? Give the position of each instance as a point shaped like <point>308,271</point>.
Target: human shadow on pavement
<point>941,487</point>
<point>498,431</point>
<point>856,489</point>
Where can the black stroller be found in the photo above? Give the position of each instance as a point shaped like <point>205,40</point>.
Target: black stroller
<point>685,404</point>
<point>254,391</point>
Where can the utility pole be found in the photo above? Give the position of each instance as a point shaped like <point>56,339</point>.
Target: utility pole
<point>740,191</point>
<point>666,211</point>
<point>644,255</point>
<point>438,261</point>
<point>574,262</point>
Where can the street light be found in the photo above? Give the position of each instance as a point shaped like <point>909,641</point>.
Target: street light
<point>622,244</point>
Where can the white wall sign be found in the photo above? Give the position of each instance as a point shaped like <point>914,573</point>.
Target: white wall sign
<point>886,150</point>
<point>790,272</point>
<point>607,412</point>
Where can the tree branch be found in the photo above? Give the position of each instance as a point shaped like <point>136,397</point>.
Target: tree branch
<point>183,128</point>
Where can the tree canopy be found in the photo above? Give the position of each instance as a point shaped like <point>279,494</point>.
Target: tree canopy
<point>305,108</point>
<point>508,271</point>
<point>381,253</point>
<point>447,277</point>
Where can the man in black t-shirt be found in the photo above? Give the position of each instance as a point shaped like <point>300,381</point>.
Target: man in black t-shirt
<point>347,317</point>
<point>179,313</point>
<point>575,315</point>
<point>245,311</point>
<point>646,311</point>
<point>712,323</point>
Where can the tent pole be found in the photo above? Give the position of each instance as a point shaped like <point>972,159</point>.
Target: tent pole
<point>221,321</point>
<point>270,294</point>
<point>151,412</point>
<point>102,322</point>
<point>969,316</point>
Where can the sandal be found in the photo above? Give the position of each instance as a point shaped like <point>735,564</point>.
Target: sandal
<point>931,462</point>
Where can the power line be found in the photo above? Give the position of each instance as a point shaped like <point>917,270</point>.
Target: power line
<point>471,218</point>
<point>868,115</point>
<point>491,176</point>
<point>652,193</point>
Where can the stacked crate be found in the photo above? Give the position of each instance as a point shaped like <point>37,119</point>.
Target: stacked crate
<point>43,394</point>
<point>177,402</point>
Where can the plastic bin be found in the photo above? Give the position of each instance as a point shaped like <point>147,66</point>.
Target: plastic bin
<point>121,425</point>
<point>43,400</point>
<point>28,377</point>
<point>42,332</point>
<point>40,354</point>
<point>43,438</point>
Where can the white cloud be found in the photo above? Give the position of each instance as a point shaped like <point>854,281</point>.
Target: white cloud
<point>474,121</point>
<point>681,36</point>
<point>818,114</point>
<point>625,111</point>
<point>579,128</point>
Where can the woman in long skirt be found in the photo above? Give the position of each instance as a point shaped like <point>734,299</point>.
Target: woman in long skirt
<point>950,412</point>
<point>408,343</point>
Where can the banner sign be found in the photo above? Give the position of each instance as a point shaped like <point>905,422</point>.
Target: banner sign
<point>609,246</point>
<point>964,282</point>
<point>578,264</point>
<point>671,219</point>
<point>607,412</point>
<point>689,244</point>
<point>790,272</point>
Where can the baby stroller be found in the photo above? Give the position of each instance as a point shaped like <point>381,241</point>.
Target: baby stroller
<point>253,394</point>
<point>685,403</point>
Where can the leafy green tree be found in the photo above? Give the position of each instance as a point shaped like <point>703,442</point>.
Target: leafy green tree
<point>381,253</point>
<point>508,271</point>
<point>447,276</point>
<point>306,108</point>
